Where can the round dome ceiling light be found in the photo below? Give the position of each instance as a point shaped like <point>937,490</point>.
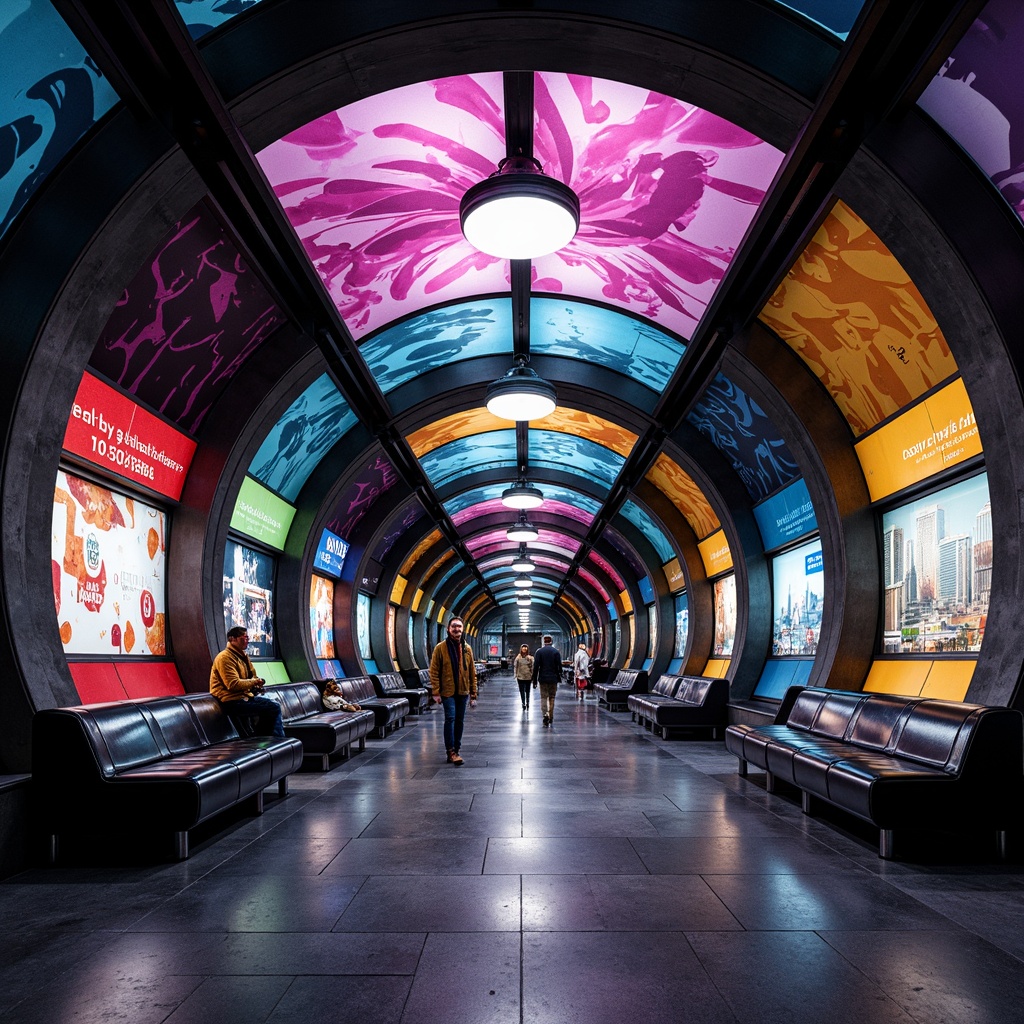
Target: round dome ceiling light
<point>521,395</point>
<point>522,495</point>
<point>522,531</point>
<point>519,213</point>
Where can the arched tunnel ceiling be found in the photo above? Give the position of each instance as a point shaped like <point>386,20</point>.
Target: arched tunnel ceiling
<point>309,245</point>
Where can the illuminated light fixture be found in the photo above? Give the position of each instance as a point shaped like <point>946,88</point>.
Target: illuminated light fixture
<point>523,562</point>
<point>522,531</point>
<point>523,601</point>
<point>522,495</point>
<point>522,582</point>
<point>521,395</point>
<point>519,212</point>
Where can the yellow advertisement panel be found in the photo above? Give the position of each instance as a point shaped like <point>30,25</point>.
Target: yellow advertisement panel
<point>417,600</point>
<point>627,605</point>
<point>674,576</point>
<point>935,434</point>
<point>398,590</point>
<point>715,552</point>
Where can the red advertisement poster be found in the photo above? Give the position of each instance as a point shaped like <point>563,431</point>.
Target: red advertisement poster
<point>109,430</point>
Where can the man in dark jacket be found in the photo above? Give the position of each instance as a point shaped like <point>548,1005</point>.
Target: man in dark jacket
<point>547,670</point>
<point>453,680</point>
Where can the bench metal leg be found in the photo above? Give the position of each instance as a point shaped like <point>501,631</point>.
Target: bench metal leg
<point>257,802</point>
<point>769,782</point>
<point>52,849</point>
<point>282,787</point>
<point>181,845</point>
<point>885,843</point>
<point>743,769</point>
<point>1002,844</point>
<point>362,742</point>
<point>805,802</point>
<point>325,763</point>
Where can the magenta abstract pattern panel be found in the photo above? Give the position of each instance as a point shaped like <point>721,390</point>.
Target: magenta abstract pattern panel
<point>186,323</point>
<point>666,191</point>
<point>377,477</point>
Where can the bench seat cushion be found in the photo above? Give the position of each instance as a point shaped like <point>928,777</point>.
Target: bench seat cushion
<point>329,732</point>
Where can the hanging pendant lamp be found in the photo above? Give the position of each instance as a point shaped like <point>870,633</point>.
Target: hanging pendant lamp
<point>519,213</point>
<point>523,562</point>
<point>521,395</point>
<point>522,495</point>
<point>522,530</point>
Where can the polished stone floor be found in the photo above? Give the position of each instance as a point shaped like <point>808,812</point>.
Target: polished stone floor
<point>583,873</point>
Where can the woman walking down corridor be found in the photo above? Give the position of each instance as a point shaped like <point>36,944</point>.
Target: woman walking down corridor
<point>581,670</point>
<point>523,669</point>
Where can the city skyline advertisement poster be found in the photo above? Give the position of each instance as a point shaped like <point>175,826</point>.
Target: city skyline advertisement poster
<point>937,571</point>
<point>798,592</point>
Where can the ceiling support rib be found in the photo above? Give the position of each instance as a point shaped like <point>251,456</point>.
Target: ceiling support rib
<point>880,70</point>
<point>146,51</point>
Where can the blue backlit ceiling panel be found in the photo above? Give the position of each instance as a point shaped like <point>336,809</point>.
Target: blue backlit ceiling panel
<point>301,438</point>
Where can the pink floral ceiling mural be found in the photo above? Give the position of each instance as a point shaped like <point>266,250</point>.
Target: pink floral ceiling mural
<point>666,191</point>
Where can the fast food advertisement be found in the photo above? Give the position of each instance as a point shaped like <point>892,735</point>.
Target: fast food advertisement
<point>107,563</point>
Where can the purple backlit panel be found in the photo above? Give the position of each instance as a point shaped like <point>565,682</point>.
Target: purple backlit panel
<point>495,507</point>
<point>666,191</point>
<point>378,476</point>
<point>606,567</point>
<point>186,323</point>
<point>593,581</point>
<point>976,96</point>
<point>373,192</point>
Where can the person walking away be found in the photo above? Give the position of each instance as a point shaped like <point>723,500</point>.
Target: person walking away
<point>524,674</point>
<point>581,670</point>
<point>233,681</point>
<point>547,670</point>
<point>453,682</point>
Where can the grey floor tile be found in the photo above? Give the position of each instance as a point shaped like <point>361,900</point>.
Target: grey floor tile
<point>622,903</point>
<point>948,977</point>
<point>425,856</point>
<point>561,856</point>
<point>436,904</point>
<point>731,854</point>
<point>548,823</point>
<point>260,902</point>
<point>356,1000</point>
<point>824,987</point>
<point>467,977</point>
<point>231,1000</point>
<point>593,978</point>
<point>805,902</point>
<point>438,824</point>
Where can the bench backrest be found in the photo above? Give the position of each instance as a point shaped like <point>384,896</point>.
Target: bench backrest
<point>357,688</point>
<point>297,700</point>
<point>125,734</point>
<point>667,686</point>
<point>634,679</point>
<point>388,682</point>
<point>932,732</point>
<point>704,691</point>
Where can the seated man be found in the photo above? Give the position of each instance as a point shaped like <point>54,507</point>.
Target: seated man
<point>233,681</point>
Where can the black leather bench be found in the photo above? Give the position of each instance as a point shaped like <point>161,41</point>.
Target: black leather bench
<point>156,767</point>
<point>682,702</point>
<point>392,684</point>
<point>389,712</point>
<point>897,762</point>
<point>614,692</point>
<point>324,734</point>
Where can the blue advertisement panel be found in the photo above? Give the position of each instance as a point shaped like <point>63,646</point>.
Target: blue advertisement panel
<point>646,590</point>
<point>785,516</point>
<point>249,597</point>
<point>330,554</point>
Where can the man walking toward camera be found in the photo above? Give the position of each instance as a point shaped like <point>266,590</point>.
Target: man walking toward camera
<point>453,680</point>
<point>547,670</point>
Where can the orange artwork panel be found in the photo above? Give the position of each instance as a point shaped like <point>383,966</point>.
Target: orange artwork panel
<point>593,428</point>
<point>424,545</point>
<point>680,489</point>
<point>451,428</point>
<point>851,312</point>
